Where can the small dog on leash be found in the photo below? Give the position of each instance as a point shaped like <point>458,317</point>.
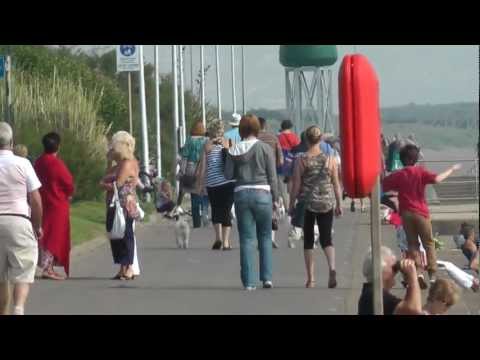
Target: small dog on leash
<point>182,229</point>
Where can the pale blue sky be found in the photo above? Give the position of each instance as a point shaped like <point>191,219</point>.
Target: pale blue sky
<point>421,74</point>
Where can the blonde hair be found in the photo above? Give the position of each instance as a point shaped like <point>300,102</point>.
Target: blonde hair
<point>20,150</point>
<point>444,290</point>
<point>123,145</point>
<point>313,135</point>
<point>216,129</point>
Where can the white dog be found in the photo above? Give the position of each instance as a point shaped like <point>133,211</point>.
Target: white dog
<point>182,229</point>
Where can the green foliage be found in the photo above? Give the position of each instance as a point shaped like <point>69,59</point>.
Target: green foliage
<point>42,105</point>
<point>87,220</point>
<point>44,62</point>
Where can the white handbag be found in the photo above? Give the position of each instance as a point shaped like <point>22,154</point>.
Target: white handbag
<point>118,228</point>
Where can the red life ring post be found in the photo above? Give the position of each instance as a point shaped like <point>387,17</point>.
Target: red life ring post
<point>359,110</point>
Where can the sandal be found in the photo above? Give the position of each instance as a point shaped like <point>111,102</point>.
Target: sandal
<point>217,245</point>
<point>227,248</point>
<point>52,275</point>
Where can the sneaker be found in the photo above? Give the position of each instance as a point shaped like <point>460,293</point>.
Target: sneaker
<point>267,285</point>
<point>250,288</point>
<point>274,244</point>
<point>352,207</point>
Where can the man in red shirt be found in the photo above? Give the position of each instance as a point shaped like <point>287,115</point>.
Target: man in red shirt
<point>410,183</point>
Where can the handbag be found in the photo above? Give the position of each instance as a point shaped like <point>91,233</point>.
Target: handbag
<point>118,227</point>
<point>187,173</point>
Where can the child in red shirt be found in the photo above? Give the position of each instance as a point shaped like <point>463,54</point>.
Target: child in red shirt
<point>410,183</point>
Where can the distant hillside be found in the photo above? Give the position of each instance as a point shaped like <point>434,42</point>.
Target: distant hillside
<point>435,126</point>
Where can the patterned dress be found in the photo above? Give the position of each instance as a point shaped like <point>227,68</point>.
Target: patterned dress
<point>317,188</point>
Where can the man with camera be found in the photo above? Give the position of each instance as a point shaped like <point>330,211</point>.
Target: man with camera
<point>392,305</point>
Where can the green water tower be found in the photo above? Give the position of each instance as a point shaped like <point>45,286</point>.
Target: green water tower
<point>308,84</point>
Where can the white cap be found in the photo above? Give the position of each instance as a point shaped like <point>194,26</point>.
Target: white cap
<point>235,119</point>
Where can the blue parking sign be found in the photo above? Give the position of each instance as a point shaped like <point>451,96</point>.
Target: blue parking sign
<point>2,66</point>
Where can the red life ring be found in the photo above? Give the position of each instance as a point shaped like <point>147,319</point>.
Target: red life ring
<point>359,112</point>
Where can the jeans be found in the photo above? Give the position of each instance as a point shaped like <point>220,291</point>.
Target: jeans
<point>253,209</point>
<point>199,209</point>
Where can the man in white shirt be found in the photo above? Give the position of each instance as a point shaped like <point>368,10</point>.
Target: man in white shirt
<point>20,222</point>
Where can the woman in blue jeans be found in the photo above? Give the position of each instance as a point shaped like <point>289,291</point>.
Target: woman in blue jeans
<point>251,163</point>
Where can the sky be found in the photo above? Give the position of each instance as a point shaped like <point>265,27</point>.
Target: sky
<point>420,74</point>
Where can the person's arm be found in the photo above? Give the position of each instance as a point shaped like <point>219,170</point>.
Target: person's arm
<point>296,182</point>
<point>389,183</point>
<point>442,176</point>
<point>336,186</point>
<point>127,170</point>
<point>278,153</point>
<point>412,304</point>
<point>66,180</point>
<point>37,212</point>
<point>271,172</point>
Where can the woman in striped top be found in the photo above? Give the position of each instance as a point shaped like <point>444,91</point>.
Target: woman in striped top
<point>219,189</point>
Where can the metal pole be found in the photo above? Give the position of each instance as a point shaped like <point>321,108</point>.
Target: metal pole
<point>234,95</point>
<point>376,249</point>
<point>191,68</point>
<point>202,70</point>
<point>175,114</point>
<point>8,90</point>
<point>146,158</point>
<point>243,81</point>
<point>219,90</point>
<point>183,125</point>
<point>157,110</point>
<point>130,120</point>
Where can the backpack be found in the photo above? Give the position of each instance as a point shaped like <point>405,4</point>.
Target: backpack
<point>287,168</point>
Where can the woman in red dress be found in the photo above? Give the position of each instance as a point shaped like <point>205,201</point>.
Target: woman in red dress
<point>56,191</point>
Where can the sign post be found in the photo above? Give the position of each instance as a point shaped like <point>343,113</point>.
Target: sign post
<point>128,60</point>
<point>5,72</point>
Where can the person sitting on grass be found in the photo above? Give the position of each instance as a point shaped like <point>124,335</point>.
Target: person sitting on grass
<point>466,242</point>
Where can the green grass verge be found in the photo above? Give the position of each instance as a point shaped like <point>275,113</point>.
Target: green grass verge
<point>87,219</point>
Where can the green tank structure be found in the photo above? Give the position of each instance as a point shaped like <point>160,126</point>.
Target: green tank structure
<point>308,55</point>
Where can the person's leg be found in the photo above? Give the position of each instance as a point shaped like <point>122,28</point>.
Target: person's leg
<point>20,295</point>
<point>246,233</point>
<point>325,222</point>
<point>308,240</point>
<point>217,224</point>
<point>426,236</point>
<point>4,297</point>
<point>181,194</point>
<point>226,237</point>
<point>363,206</point>
<point>227,196</point>
<point>410,225</point>
<point>129,241</point>
<point>205,211</point>
<point>196,206</point>
<point>262,212</point>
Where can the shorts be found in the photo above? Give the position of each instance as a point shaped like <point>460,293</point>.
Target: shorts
<point>18,250</point>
